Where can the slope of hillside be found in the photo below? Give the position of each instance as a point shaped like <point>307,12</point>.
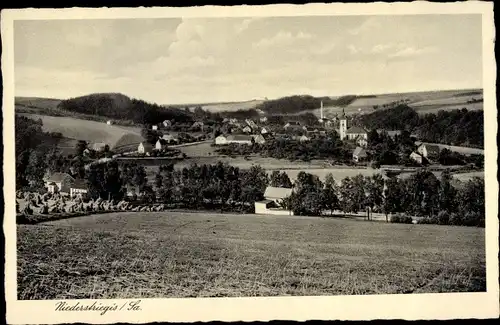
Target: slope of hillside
<point>90,131</point>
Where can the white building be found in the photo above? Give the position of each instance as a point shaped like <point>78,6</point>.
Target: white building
<point>78,188</point>
<point>59,183</point>
<point>356,132</point>
<point>416,157</point>
<point>154,127</point>
<point>272,202</point>
<point>109,122</point>
<point>144,148</point>
<point>359,154</point>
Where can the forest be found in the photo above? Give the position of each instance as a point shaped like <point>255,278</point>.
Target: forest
<point>457,127</point>
<point>121,107</point>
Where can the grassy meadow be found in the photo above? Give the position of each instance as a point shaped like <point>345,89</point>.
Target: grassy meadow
<point>176,254</point>
<point>78,129</point>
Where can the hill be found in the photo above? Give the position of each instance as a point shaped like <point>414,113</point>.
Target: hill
<point>121,107</point>
<point>90,131</point>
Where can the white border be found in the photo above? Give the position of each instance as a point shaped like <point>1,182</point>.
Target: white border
<point>368,307</point>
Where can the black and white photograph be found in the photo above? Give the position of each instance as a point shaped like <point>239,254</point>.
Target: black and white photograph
<point>249,156</point>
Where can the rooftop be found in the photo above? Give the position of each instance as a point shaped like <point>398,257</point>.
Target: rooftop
<point>277,192</point>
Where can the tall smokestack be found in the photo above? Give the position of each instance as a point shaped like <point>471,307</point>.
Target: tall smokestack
<point>321,109</point>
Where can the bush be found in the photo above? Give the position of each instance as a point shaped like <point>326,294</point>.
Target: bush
<point>399,218</point>
<point>443,218</point>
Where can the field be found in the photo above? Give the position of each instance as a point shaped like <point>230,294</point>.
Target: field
<point>177,254</point>
<point>231,107</point>
<point>422,102</point>
<point>90,131</point>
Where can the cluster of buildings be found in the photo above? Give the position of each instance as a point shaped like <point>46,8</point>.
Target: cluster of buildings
<point>65,184</point>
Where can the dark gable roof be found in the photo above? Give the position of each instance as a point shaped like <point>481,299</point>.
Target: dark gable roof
<point>432,148</point>
<point>293,122</point>
<point>59,177</point>
<point>240,137</point>
<point>147,145</point>
<point>79,184</point>
<point>359,152</point>
<point>356,130</point>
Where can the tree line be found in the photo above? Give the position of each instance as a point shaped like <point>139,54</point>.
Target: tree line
<point>227,188</point>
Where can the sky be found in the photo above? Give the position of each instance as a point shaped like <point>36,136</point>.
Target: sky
<point>201,60</point>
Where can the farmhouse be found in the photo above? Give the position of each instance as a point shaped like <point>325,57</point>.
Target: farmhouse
<point>99,146</point>
<point>428,151</point>
<point>237,139</point>
<point>247,129</point>
<point>291,124</point>
<point>258,138</point>
<point>197,125</point>
<point>59,183</point>
<point>355,132</point>
<point>170,138</point>
<point>265,130</point>
<point>78,188</point>
<point>167,123</point>
<point>304,138</point>
<point>161,144</point>
<point>273,197</point>
<point>251,124</point>
<point>416,157</point>
<point>144,148</point>
<point>240,139</point>
<point>359,154</point>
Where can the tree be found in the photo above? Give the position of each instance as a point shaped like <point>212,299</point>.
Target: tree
<point>352,192</point>
<point>447,193</point>
<point>375,192</point>
<point>394,196</point>
<point>423,189</point>
<point>253,184</point>
<point>330,194</point>
<point>280,179</point>
<point>81,145</point>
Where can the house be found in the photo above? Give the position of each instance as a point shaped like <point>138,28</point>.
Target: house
<point>59,183</point>
<point>170,139</point>
<point>221,140</point>
<point>240,139</point>
<point>355,131</point>
<point>99,146</point>
<point>258,138</point>
<point>359,154</point>
<point>109,122</point>
<point>429,151</point>
<point>304,138</point>
<point>329,124</point>
<point>265,130</point>
<point>236,138</point>
<point>291,124</point>
<point>198,125</point>
<point>273,197</point>
<point>263,119</point>
<point>304,128</point>
<point>247,129</point>
<point>167,123</point>
<point>361,141</point>
<point>161,144</point>
<point>144,148</point>
<point>251,124</point>
<point>154,127</point>
<point>416,157</point>
<point>78,188</point>
<point>233,121</point>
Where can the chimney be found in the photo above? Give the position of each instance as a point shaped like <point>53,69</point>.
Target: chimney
<point>321,109</point>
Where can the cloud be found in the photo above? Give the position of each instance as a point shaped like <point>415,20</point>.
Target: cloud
<point>411,51</point>
<point>368,25</point>
<point>282,38</point>
<point>380,48</point>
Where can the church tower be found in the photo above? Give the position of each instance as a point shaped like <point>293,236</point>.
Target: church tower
<point>343,126</point>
